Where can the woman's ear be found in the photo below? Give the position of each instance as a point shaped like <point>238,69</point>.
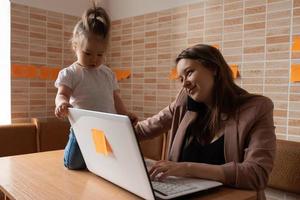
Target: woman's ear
<point>214,72</point>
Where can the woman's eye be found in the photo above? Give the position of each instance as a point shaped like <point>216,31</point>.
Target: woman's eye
<point>100,55</point>
<point>189,73</point>
<point>86,53</point>
<point>180,79</point>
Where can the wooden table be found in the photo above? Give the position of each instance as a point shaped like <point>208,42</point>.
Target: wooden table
<point>42,176</point>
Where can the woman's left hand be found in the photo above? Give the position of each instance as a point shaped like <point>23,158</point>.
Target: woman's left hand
<point>163,169</point>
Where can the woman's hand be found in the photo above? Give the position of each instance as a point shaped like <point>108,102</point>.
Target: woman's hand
<point>163,169</point>
<point>61,111</point>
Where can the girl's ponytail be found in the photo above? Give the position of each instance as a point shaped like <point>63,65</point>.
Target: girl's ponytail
<point>96,20</point>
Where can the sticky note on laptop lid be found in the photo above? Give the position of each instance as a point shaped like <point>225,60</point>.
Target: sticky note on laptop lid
<point>102,146</point>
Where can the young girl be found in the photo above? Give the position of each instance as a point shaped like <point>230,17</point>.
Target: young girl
<point>87,83</point>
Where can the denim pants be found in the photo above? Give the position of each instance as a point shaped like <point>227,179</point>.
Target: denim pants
<point>72,155</point>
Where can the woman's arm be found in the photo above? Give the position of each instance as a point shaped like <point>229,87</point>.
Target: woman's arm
<point>163,168</point>
<point>162,121</point>
<point>258,156</point>
<point>155,125</point>
<point>251,173</point>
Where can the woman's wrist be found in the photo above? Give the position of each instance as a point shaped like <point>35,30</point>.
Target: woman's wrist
<point>205,171</point>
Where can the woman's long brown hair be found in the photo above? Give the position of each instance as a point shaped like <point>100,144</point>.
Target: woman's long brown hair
<point>227,96</point>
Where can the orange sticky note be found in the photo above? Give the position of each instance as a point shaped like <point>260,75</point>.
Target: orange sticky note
<point>101,144</point>
<point>235,70</point>
<point>44,73</point>
<point>296,44</point>
<point>216,46</point>
<point>122,74</point>
<point>54,73</point>
<point>173,74</point>
<point>295,73</point>
<point>23,71</point>
<point>48,73</point>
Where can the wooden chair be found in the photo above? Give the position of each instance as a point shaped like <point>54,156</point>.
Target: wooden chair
<point>286,171</point>
<point>154,148</point>
<point>17,139</point>
<point>52,134</point>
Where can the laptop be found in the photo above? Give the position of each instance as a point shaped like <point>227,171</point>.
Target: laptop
<point>110,149</point>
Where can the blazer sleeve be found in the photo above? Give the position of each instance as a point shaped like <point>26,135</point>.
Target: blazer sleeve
<point>155,125</point>
<point>253,172</point>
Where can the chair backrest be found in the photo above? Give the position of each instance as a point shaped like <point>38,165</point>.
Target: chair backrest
<point>154,148</point>
<point>17,139</point>
<point>52,133</point>
<point>286,171</point>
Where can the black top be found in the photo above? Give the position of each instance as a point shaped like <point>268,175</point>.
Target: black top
<point>192,150</point>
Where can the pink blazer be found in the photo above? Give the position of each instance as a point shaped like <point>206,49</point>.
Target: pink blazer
<point>249,139</point>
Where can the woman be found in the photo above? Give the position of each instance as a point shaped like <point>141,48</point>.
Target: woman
<point>218,131</point>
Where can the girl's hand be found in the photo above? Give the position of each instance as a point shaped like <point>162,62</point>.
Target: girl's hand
<point>61,111</point>
<point>133,118</point>
<point>163,169</point>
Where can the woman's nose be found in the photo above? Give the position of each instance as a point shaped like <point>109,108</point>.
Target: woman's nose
<point>185,83</point>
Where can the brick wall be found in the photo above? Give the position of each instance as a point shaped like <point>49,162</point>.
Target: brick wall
<point>257,35</point>
<point>254,34</point>
<point>39,38</point>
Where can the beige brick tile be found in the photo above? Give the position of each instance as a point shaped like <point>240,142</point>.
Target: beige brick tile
<point>253,3</point>
<point>255,10</point>
<point>233,6</point>
<point>233,13</point>
<point>282,5</point>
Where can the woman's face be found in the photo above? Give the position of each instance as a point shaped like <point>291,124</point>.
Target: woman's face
<point>196,79</point>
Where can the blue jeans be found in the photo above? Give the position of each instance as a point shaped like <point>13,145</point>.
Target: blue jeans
<point>72,155</point>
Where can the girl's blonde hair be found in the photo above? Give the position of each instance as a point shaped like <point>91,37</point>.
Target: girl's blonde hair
<point>94,20</point>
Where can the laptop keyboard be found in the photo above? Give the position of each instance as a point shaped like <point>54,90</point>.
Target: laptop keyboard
<point>171,187</point>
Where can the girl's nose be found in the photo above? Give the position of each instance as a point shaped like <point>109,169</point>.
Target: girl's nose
<point>94,58</point>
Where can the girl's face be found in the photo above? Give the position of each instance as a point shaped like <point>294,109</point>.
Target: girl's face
<point>90,51</point>
<point>196,79</point>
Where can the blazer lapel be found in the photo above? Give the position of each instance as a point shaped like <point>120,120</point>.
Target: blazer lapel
<point>176,145</point>
<point>231,141</point>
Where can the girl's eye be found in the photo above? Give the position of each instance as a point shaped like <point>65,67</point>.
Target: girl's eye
<point>86,53</point>
<point>100,55</point>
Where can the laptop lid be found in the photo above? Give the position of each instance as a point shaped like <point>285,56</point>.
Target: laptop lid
<point>110,149</point>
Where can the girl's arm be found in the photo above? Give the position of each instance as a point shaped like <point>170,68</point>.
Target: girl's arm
<point>62,101</point>
<point>119,105</point>
<point>121,109</point>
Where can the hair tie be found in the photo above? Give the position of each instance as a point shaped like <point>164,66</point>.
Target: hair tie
<point>95,17</point>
